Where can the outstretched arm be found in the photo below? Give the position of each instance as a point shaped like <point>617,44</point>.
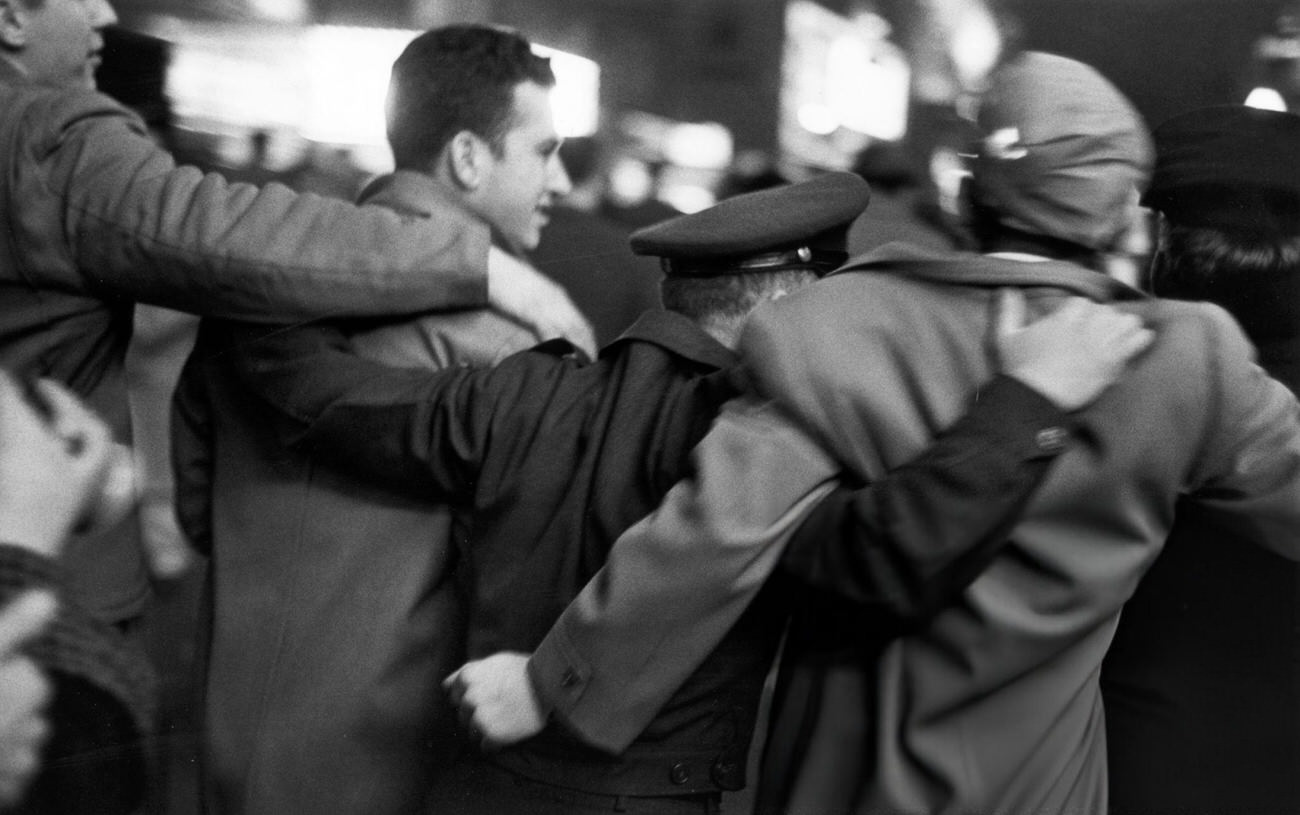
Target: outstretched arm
<point>142,228</point>
<point>416,431</point>
<point>903,548</point>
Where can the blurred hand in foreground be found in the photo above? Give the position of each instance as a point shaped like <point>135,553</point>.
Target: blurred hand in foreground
<point>55,468</point>
<point>24,691</point>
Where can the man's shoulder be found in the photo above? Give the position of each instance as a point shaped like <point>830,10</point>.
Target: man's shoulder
<point>1205,315</point>
<point>1187,324</point>
<point>472,337</point>
<point>57,107</point>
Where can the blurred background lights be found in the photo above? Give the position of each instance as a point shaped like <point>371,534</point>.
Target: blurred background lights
<point>705,145</point>
<point>867,81</point>
<point>687,198</point>
<point>325,83</point>
<point>218,77</point>
<point>348,72</point>
<point>630,181</point>
<point>844,84</point>
<point>576,99</point>
<point>818,119</point>
<point>975,44</point>
<point>285,11</point>
<point>1266,99</point>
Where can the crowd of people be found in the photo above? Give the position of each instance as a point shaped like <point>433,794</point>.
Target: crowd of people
<point>467,553</point>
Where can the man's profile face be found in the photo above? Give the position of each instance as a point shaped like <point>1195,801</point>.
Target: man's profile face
<point>522,182</point>
<point>64,41</point>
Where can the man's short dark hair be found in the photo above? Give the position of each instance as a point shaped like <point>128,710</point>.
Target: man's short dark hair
<point>1256,277</point>
<point>455,78</point>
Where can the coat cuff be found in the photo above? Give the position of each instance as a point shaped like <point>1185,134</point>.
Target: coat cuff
<point>1020,420</point>
<point>561,678</point>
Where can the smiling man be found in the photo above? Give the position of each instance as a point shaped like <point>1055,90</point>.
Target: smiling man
<point>334,616</point>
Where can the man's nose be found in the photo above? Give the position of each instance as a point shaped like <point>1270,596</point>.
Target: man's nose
<point>559,183</point>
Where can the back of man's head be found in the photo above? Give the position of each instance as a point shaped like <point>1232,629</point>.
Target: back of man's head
<point>721,263</point>
<point>455,78</point>
<point>1227,186</point>
<point>1062,154</point>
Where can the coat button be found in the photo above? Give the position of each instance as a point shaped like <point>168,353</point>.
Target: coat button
<point>569,679</point>
<point>1051,439</point>
<point>680,773</point>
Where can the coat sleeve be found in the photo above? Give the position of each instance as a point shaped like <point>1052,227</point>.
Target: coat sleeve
<point>141,228</point>
<point>675,582</point>
<point>1249,476</point>
<point>418,432</point>
<point>898,549</point>
<point>903,548</point>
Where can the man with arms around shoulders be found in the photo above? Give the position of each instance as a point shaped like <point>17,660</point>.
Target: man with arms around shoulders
<point>994,705</point>
<point>552,459</point>
<point>334,614</point>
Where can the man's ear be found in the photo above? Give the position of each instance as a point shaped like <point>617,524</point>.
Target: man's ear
<point>467,156</point>
<point>13,25</point>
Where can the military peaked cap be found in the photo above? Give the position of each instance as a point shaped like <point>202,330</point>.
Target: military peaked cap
<point>795,226</point>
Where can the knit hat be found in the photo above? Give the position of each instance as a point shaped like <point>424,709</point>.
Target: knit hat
<point>1061,153</point>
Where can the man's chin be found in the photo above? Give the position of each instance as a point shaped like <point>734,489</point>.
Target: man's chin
<point>533,237</point>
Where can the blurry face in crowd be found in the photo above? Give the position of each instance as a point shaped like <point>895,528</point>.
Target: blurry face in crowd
<point>58,42</point>
<point>522,180</point>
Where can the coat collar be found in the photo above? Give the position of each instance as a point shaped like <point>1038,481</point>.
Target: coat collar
<point>968,269</point>
<point>409,193</point>
<point>678,335</point>
<point>414,193</point>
